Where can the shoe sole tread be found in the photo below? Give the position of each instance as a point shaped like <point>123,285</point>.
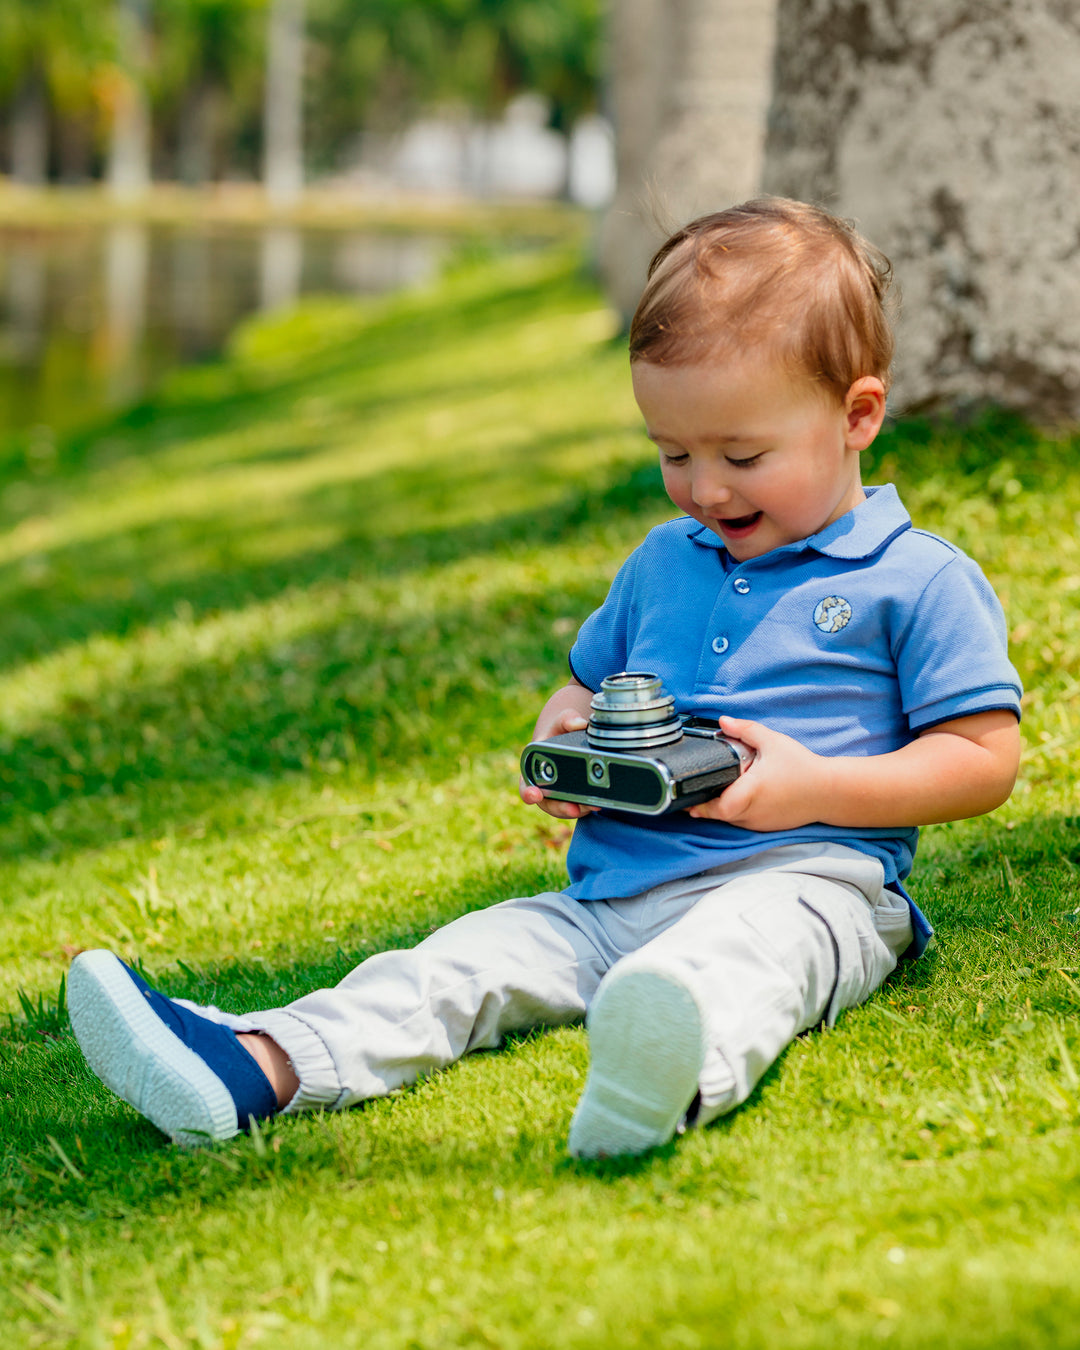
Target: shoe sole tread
<point>646,1048</point>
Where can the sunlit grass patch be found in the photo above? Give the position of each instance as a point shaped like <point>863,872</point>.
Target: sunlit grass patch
<point>271,643</point>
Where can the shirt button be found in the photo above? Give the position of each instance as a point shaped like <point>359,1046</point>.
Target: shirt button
<point>741,585</point>
<point>720,645</point>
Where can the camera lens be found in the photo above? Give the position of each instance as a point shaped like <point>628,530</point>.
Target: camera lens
<point>543,769</point>
<point>632,711</point>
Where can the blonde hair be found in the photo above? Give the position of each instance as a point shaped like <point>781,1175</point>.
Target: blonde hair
<point>770,273</point>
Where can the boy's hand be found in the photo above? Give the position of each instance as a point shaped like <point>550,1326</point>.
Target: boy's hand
<point>951,771</point>
<point>775,791</point>
<point>555,721</point>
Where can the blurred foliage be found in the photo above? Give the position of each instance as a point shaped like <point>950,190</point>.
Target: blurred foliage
<point>368,63</point>
<point>206,80</point>
<point>65,43</point>
<point>398,57</point>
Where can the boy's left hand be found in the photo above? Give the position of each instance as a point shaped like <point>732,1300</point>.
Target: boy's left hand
<point>950,771</point>
<point>776,791</point>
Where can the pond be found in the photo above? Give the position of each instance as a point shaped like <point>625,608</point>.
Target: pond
<point>91,317</point>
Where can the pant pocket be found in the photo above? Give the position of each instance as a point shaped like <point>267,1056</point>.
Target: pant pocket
<point>863,960</point>
<point>800,942</point>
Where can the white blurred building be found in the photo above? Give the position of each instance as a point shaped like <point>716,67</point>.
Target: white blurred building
<point>518,156</point>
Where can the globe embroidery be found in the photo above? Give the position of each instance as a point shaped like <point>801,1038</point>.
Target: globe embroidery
<point>832,614</point>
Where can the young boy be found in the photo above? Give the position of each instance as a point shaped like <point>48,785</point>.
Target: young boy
<point>863,661</point>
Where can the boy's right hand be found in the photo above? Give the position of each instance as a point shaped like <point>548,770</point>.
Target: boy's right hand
<point>555,723</point>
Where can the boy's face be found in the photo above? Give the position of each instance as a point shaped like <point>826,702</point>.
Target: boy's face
<point>759,456</point>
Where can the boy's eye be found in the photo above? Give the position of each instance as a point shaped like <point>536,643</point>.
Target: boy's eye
<point>678,458</point>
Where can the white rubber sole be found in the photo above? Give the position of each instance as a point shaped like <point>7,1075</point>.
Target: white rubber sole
<point>136,1055</point>
<point>646,1048</point>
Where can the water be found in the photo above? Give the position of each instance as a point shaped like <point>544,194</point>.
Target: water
<point>90,317</point>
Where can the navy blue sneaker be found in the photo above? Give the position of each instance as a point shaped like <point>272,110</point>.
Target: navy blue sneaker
<point>188,1075</point>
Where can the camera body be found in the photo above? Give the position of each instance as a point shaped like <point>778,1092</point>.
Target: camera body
<point>637,754</point>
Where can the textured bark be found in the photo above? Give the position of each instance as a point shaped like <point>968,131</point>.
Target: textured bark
<point>690,84</point>
<point>951,132</point>
<point>283,156</point>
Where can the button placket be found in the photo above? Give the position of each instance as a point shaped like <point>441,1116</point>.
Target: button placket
<point>730,627</point>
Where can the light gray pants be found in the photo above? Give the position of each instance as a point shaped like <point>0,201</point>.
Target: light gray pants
<point>769,946</point>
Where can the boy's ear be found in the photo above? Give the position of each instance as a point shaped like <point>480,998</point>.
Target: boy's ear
<point>864,412</point>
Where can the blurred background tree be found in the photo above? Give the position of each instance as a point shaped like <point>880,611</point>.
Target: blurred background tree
<point>375,65</point>
<point>208,73</point>
<point>691,82</point>
<point>400,56</point>
<point>54,56</point>
<point>204,89</point>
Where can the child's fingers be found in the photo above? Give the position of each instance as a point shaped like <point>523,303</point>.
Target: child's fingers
<point>725,807</point>
<point>564,810</point>
<point>709,810</point>
<point>572,721</point>
<point>532,796</point>
<point>716,809</point>
<point>753,733</point>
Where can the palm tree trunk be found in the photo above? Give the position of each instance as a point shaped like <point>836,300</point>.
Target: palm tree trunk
<point>198,134</point>
<point>30,132</point>
<point>128,171</point>
<point>691,81</point>
<point>283,156</point>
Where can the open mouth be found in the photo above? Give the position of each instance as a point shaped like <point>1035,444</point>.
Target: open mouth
<point>738,525</point>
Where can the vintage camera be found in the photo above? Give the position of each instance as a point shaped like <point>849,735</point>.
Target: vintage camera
<point>637,753</point>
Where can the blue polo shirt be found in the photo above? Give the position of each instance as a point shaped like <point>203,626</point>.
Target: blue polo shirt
<point>851,641</point>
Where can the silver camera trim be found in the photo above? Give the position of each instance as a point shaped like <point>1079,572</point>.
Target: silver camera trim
<point>633,711</point>
<point>658,767</point>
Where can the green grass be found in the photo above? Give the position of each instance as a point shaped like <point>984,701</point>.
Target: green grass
<point>270,645</point>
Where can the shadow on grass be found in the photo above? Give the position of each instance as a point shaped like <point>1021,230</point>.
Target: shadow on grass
<point>291,353</point>
<point>367,527</point>
<point>342,688</point>
<point>96,1153</point>
<point>112,583</point>
<point>68,1141</point>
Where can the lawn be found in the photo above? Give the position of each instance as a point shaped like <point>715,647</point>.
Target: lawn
<point>270,644</point>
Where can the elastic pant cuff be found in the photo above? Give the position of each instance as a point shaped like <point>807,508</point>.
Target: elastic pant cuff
<point>320,1086</point>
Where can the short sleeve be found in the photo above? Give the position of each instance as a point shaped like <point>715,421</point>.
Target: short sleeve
<point>604,639</point>
<point>952,656</point>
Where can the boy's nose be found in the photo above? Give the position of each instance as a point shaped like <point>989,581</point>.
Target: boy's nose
<point>709,489</point>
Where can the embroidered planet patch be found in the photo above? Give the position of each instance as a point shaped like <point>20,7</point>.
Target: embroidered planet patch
<point>832,614</point>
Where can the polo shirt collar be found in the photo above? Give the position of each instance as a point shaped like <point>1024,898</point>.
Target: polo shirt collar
<point>859,533</point>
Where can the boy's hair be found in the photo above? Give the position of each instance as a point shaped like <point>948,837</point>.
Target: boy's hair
<point>774,273</point>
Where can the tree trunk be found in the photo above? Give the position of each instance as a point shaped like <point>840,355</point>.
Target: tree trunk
<point>198,134</point>
<point>283,118</point>
<point>73,148</point>
<point>30,132</point>
<point>690,84</point>
<point>951,132</point>
<point>128,171</point>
